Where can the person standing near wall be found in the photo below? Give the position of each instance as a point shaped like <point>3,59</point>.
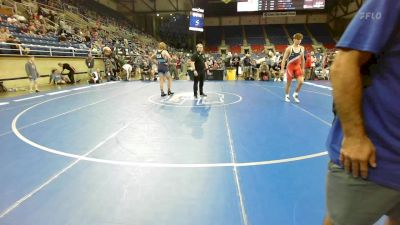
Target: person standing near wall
<point>90,63</point>
<point>32,73</point>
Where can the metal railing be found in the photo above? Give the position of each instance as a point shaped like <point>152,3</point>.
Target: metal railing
<point>81,20</point>
<point>41,50</point>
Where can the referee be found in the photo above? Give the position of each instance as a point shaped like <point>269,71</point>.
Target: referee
<point>199,67</point>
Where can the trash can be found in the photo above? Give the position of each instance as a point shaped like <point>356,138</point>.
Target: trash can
<point>231,73</point>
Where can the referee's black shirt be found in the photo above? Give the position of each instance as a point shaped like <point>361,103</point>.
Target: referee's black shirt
<point>199,60</point>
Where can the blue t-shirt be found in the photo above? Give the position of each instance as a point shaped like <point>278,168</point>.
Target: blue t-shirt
<point>376,29</point>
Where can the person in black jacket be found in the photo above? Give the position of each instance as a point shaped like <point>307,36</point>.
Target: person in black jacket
<point>199,67</point>
<point>236,63</point>
<point>71,71</point>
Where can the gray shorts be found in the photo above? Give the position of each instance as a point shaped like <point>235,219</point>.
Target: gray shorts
<point>355,201</point>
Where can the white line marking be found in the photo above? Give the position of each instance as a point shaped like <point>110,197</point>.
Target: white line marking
<point>26,197</point>
<point>24,99</point>
<point>279,161</point>
<point>303,90</point>
<point>152,165</point>
<point>64,113</point>
<point>19,106</point>
<point>163,165</point>
<point>10,132</point>
<point>318,85</point>
<point>106,83</point>
<point>81,88</point>
<point>97,85</point>
<point>313,115</point>
<point>235,171</point>
<point>316,92</point>
<point>301,108</point>
<point>58,92</point>
<point>113,82</point>
<point>151,99</point>
<point>4,103</point>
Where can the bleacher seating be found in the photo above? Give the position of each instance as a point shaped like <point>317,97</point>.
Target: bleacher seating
<point>233,35</point>
<point>254,31</point>
<point>279,40</point>
<point>276,34</point>
<point>211,48</point>
<point>40,45</point>
<point>257,48</point>
<point>45,45</point>
<point>213,36</point>
<point>330,46</point>
<point>256,40</point>
<point>299,28</point>
<point>235,48</point>
<point>318,29</point>
<point>280,48</point>
<point>11,28</point>
<point>321,34</point>
<point>307,47</point>
<point>275,30</point>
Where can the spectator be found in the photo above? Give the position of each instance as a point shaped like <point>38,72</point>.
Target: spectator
<point>33,74</point>
<point>90,63</point>
<point>95,77</point>
<point>179,65</point>
<point>276,68</point>
<point>146,71</point>
<point>264,72</point>
<point>227,62</point>
<point>71,71</point>
<point>236,64</point>
<point>247,67</point>
<point>313,65</point>
<point>4,34</point>
<point>308,66</point>
<point>172,64</point>
<point>128,69</point>
<point>57,78</point>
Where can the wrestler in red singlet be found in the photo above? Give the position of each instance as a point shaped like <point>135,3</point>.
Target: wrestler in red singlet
<point>294,55</point>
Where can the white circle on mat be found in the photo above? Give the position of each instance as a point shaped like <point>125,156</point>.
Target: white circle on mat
<point>150,164</point>
<point>186,99</point>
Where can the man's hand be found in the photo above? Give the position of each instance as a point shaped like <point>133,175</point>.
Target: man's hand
<point>357,154</point>
<point>195,73</point>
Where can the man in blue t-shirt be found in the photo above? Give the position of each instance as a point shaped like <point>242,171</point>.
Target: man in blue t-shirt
<point>363,182</point>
